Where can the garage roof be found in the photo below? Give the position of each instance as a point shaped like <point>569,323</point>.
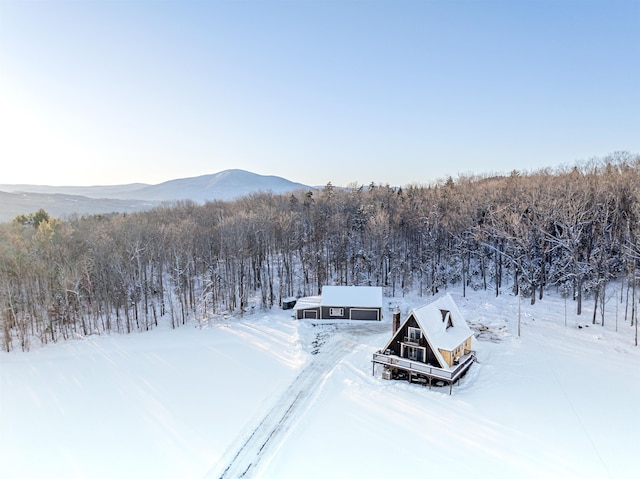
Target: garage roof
<point>355,296</point>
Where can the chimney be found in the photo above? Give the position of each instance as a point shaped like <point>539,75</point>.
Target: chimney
<point>396,320</point>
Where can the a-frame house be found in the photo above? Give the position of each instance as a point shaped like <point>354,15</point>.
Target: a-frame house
<point>432,343</point>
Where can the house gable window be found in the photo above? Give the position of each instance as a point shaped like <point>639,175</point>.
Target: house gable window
<point>414,335</point>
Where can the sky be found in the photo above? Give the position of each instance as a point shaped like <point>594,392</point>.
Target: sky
<point>356,91</point>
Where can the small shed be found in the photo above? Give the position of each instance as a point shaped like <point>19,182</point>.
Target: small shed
<point>289,303</point>
<point>342,302</point>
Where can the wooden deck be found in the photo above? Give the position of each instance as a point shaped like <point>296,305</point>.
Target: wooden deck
<point>418,370</point>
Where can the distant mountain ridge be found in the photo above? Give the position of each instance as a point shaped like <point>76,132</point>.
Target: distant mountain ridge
<point>62,201</point>
<point>225,185</point>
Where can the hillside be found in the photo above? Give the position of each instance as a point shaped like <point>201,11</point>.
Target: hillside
<point>62,201</point>
<point>64,205</point>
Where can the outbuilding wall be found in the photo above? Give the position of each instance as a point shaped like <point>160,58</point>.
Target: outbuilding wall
<point>350,312</point>
<point>308,313</point>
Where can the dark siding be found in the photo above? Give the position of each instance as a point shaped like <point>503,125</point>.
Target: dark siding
<point>325,312</point>
<point>309,313</point>
<point>404,332</point>
<point>365,314</point>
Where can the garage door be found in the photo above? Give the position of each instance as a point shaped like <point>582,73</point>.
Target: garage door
<point>310,314</point>
<point>366,314</point>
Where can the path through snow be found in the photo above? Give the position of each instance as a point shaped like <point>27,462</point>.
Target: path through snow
<point>328,348</point>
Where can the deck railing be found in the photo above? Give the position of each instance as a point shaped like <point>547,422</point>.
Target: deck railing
<point>422,368</point>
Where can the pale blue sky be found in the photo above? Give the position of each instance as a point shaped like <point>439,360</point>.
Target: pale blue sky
<point>398,92</point>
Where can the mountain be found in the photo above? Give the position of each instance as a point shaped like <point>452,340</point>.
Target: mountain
<point>226,185</point>
<point>60,201</point>
<point>60,205</point>
<point>114,191</point>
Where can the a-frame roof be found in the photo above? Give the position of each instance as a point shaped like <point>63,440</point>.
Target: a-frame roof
<point>442,324</point>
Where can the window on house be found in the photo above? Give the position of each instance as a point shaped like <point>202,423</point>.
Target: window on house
<point>415,334</point>
<point>336,311</point>
<point>415,354</point>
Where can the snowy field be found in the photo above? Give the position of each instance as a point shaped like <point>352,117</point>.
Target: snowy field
<point>276,398</point>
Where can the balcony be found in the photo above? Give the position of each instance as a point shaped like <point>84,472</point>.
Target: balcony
<point>426,370</point>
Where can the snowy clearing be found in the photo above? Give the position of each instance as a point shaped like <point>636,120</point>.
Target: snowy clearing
<point>267,396</point>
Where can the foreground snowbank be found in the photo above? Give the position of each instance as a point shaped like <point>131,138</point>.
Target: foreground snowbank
<point>159,404</point>
<point>556,402</point>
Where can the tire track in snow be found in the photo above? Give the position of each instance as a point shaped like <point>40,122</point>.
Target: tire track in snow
<point>294,402</point>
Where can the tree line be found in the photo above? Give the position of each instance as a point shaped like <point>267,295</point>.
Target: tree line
<point>575,229</point>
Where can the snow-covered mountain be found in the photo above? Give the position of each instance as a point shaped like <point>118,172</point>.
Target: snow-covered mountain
<point>65,200</point>
<point>226,185</point>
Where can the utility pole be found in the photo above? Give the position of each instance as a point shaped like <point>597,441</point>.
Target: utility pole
<point>520,300</point>
<point>616,297</point>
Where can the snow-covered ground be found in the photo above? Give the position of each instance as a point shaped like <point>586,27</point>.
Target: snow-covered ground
<point>272,397</point>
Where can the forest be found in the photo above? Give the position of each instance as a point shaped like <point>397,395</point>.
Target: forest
<point>575,229</point>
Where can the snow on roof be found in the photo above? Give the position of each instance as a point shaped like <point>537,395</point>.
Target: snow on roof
<point>435,323</point>
<point>307,302</point>
<point>443,325</point>
<point>358,296</point>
